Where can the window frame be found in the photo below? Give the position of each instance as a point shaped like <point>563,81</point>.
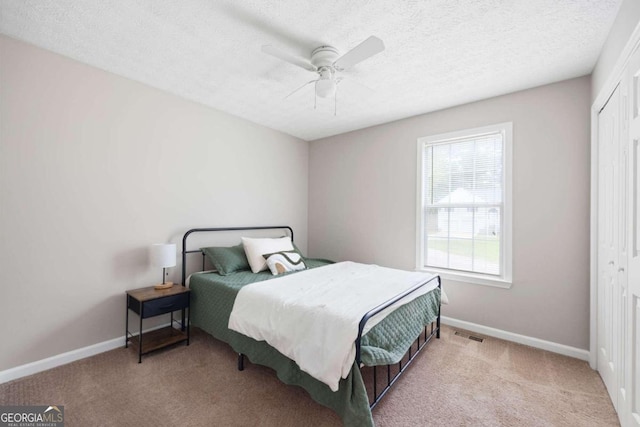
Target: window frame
<point>505,279</point>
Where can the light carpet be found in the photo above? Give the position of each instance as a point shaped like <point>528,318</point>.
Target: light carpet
<point>454,382</point>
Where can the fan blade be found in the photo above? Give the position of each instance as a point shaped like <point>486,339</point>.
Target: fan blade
<point>291,59</point>
<point>364,50</point>
<point>307,83</point>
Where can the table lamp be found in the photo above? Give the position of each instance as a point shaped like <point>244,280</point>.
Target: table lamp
<point>163,255</point>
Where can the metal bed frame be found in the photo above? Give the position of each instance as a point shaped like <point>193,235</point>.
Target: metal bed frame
<point>428,334</point>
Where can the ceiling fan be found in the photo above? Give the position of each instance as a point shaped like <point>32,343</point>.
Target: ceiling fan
<point>327,62</point>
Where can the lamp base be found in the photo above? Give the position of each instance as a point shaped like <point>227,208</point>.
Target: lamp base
<point>163,285</point>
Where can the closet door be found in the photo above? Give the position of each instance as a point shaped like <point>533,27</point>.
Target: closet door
<point>622,320</point>
<point>608,236</point>
<point>631,415</point>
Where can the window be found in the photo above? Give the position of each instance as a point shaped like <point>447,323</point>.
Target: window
<point>464,205</point>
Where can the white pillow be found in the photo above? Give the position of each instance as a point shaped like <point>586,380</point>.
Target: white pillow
<point>284,262</point>
<point>256,248</point>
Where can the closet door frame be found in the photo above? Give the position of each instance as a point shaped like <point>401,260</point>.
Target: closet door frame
<point>616,75</point>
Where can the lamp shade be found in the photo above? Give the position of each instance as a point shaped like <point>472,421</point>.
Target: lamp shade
<point>162,255</point>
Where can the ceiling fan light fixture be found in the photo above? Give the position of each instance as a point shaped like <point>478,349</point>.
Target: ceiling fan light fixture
<point>325,88</point>
<point>326,61</point>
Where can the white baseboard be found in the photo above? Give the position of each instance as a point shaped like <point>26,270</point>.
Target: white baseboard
<point>517,338</point>
<point>81,353</point>
<point>64,358</point>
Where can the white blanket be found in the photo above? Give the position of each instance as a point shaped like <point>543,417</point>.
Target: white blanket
<point>312,316</point>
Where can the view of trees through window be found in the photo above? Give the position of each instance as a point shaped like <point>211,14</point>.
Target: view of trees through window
<point>463,202</point>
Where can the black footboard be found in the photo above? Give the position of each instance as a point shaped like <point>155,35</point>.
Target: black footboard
<point>419,346</point>
<point>429,332</point>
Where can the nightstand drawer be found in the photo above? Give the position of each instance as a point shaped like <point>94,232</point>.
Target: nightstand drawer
<point>165,305</point>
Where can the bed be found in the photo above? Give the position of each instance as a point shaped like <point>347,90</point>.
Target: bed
<point>395,340</point>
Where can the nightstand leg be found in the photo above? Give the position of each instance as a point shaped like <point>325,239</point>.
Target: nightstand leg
<point>126,326</point>
<point>188,325</point>
<point>140,342</point>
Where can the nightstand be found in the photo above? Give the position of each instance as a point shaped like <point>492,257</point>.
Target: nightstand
<point>150,302</point>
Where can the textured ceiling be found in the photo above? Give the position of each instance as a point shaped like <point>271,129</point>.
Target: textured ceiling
<point>439,53</point>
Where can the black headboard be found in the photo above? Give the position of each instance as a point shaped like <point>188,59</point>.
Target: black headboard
<point>207,230</point>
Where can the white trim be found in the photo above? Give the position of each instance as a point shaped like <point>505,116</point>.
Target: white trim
<point>615,76</point>
<point>419,207</point>
<point>505,279</point>
<point>462,276</point>
<point>616,73</point>
<point>92,350</point>
<point>593,253</point>
<point>58,360</point>
<point>64,358</point>
<point>553,347</point>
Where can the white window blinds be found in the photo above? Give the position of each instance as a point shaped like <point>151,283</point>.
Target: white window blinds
<point>463,195</point>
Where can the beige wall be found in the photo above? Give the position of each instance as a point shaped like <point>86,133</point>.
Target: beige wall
<point>93,169</point>
<point>362,206</point>
<point>625,23</point>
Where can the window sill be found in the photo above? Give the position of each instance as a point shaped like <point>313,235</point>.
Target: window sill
<point>469,278</point>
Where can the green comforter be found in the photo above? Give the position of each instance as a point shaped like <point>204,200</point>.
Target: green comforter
<point>212,298</point>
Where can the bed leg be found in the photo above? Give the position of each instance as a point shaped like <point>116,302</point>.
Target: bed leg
<point>240,362</point>
<point>438,325</point>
